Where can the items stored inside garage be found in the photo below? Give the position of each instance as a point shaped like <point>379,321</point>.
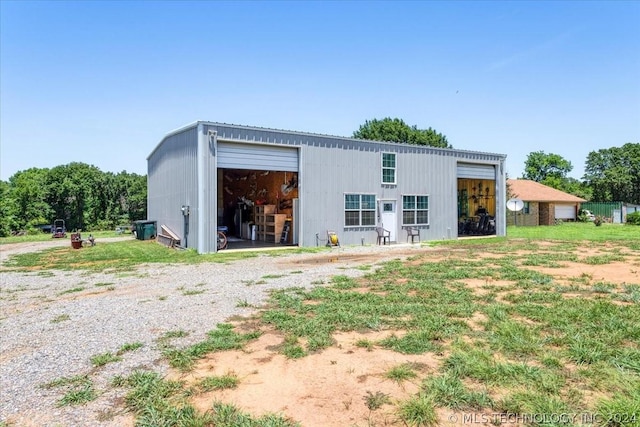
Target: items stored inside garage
<point>256,204</point>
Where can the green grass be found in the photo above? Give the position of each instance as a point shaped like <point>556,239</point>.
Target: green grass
<point>61,318</point>
<point>532,343</point>
<point>159,402</point>
<point>222,338</point>
<point>100,284</point>
<point>418,410</point>
<point>292,349</point>
<point>189,292</point>
<point>72,290</point>
<point>218,382</point>
<point>521,351</point>
<point>602,259</point>
<point>129,347</point>
<point>104,358</point>
<point>577,231</point>
<point>77,390</point>
<point>122,256</point>
<point>273,276</point>
<point>365,343</point>
<point>449,391</point>
<point>401,373</point>
<point>174,334</point>
<point>432,313</point>
<point>376,400</point>
<point>630,293</point>
<point>225,415</point>
<point>243,304</point>
<point>45,237</point>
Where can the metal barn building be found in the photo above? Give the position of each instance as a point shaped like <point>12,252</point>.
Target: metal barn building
<point>293,188</point>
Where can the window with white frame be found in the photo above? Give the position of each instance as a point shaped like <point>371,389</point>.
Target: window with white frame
<point>526,209</point>
<point>415,210</point>
<point>359,210</point>
<point>388,168</point>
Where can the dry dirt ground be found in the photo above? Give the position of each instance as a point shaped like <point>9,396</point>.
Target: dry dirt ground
<point>329,388</point>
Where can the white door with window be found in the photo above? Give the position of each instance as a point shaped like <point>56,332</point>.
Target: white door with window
<point>389,217</point>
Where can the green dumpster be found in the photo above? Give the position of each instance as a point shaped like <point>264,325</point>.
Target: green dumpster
<point>145,230</point>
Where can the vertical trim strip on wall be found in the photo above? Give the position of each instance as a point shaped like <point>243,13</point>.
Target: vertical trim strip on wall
<point>213,191</point>
<point>212,216</point>
<point>301,197</point>
<point>201,154</point>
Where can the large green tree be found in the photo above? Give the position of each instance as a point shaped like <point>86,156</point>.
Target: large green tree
<point>540,166</point>
<point>614,174</point>
<point>81,194</point>
<point>551,170</point>
<point>8,210</point>
<point>72,190</point>
<point>27,190</point>
<point>129,200</point>
<point>396,130</point>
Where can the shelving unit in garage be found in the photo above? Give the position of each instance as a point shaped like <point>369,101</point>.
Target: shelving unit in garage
<point>269,224</point>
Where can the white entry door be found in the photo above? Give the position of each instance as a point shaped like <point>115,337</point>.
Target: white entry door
<point>389,217</point>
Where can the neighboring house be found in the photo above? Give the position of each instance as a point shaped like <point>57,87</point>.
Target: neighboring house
<point>259,182</point>
<point>542,204</point>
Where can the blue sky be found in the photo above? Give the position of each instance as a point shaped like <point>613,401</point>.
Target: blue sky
<point>103,82</point>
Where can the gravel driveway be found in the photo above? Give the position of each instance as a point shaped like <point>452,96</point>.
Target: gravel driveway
<point>53,322</point>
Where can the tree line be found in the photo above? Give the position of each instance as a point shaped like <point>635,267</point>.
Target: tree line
<point>87,198</point>
<point>81,194</point>
<point>611,174</point>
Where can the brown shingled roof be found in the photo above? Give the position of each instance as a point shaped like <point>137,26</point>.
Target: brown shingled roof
<point>531,191</point>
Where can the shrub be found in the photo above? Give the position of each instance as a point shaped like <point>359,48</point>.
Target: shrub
<point>599,220</point>
<point>633,218</point>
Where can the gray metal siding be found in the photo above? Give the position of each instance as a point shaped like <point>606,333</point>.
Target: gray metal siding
<point>172,182</point>
<point>327,174</point>
<point>328,166</point>
<point>257,157</point>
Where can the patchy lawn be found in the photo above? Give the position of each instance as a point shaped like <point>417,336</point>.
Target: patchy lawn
<point>490,332</point>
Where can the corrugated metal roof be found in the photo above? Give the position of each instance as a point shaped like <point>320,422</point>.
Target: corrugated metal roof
<point>317,135</point>
<point>532,191</point>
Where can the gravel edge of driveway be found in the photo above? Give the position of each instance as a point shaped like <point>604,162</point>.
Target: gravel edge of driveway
<point>53,322</point>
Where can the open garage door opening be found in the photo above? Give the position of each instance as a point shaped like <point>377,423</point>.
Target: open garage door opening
<point>476,200</point>
<point>257,208</point>
<point>257,194</point>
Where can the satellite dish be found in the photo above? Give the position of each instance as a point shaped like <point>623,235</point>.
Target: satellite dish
<point>515,205</point>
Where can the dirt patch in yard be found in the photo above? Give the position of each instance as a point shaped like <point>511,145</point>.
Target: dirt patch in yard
<point>330,388</point>
<point>615,272</point>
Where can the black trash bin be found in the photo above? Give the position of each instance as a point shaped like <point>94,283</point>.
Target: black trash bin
<point>145,230</point>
